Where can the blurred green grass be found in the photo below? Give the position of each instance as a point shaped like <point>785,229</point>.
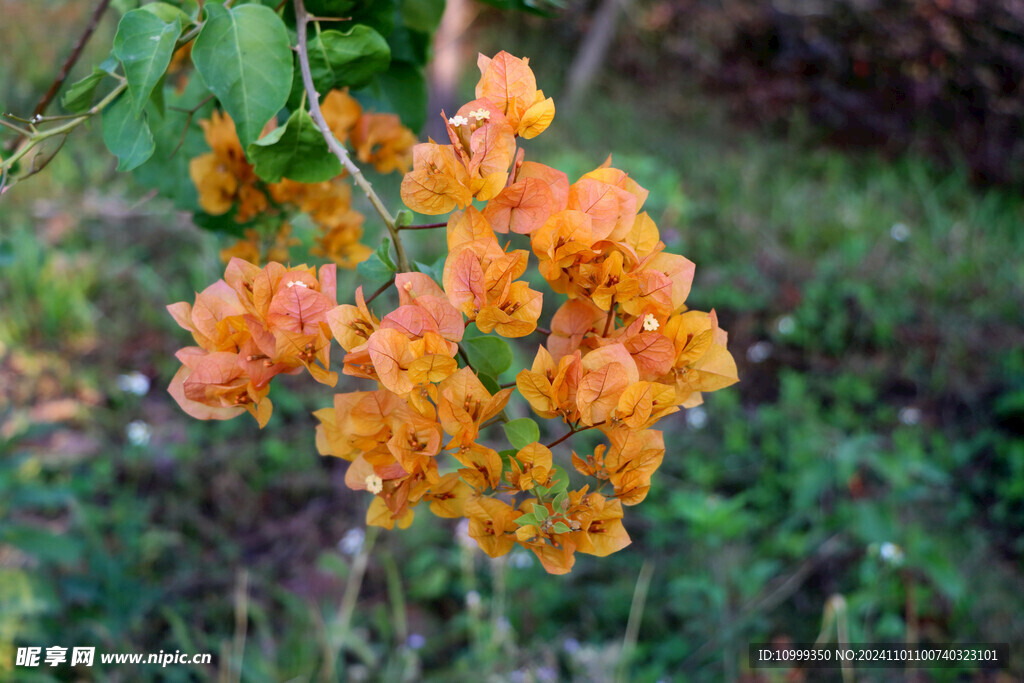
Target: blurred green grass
<point>872,449</point>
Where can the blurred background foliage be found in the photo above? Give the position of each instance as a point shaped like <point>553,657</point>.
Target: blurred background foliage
<point>867,472</point>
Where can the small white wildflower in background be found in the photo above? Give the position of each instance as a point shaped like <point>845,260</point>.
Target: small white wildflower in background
<point>910,415</point>
<point>374,484</point>
<point>520,559</point>
<point>472,600</point>
<point>546,673</point>
<point>138,433</point>
<point>786,325</point>
<point>696,417</point>
<point>133,383</point>
<point>352,542</point>
<point>891,553</point>
<point>570,645</point>
<point>651,323</point>
<point>899,232</point>
<point>759,352</point>
<point>415,641</point>
<point>458,120</point>
<point>462,535</point>
<point>502,625</point>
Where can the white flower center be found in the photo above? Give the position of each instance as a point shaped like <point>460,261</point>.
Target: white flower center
<point>651,323</point>
<point>297,282</point>
<point>374,484</point>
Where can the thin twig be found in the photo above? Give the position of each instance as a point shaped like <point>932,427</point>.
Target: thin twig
<point>543,330</point>
<point>241,623</point>
<point>465,359</point>
<point>572,431</point>
<point>301,24</point>
<point>17,129</point>
<point>428,226</point>
<point>72,59</point>
<point>610,318</point>
<point>383,288</point>
<point>346,608</point>
<point>636,612</point>
<point>188,122</point>
<point>36,138</point>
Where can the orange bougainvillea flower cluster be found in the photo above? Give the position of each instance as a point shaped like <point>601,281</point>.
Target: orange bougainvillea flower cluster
<point>226,180</point>
<point>251,326</point>
<point>623,350</point>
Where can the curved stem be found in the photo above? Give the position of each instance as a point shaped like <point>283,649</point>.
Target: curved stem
<point>302,20</point>
<point>428,226</point>
<point>383,288</point>
<point>76,52</point>
<point>36,138</point>
<point>574,430</point>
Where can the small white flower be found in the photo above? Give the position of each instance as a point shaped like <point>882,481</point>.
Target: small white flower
<point>696,417</point>
<point>297,282</point>
<point>458,120</point>
<point>415,641</point>
<point>462,535</point>
<point>520,559</point>
<point>133,383</point>
<point>352,542</point>
<point>374,484</point>
<point>481,114</point>
<point>473,600</point>
<point>138,433</point>
<point>891,553</point>
<point>910,415</point>
<point>786,325</point>
<point>651,323</point>
<point>759,352</point>
<point>899,232</point>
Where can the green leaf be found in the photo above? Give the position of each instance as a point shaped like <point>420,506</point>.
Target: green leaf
<point>338,60</point>
<point>402,89</point>
<point>350,59</point>
<point>422,15</point>
<point>527,520</point>
<point>488,355</point>
<point>561,502</point>
<point>561,528</point>
<point>126,135</point>
<point>44,545</point>
<point>409,45</point>
<point>80,94</point>
<point>330,8</point>
<point>561,482</point>
<point>178,140</point>
<point>144,43</point>
<point>377,14</point>
<point>539,511</point>
<point>490,384</point>
<point>375,270</point>
<point>296,151</point>
<point>384,254</point>
<point>168,12</point>
<point>224,223</point>
<point>243,56</point>
<point>522,432</point>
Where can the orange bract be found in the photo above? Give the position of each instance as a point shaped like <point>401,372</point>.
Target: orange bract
<point>251,326</point>
<point>623,350</point>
